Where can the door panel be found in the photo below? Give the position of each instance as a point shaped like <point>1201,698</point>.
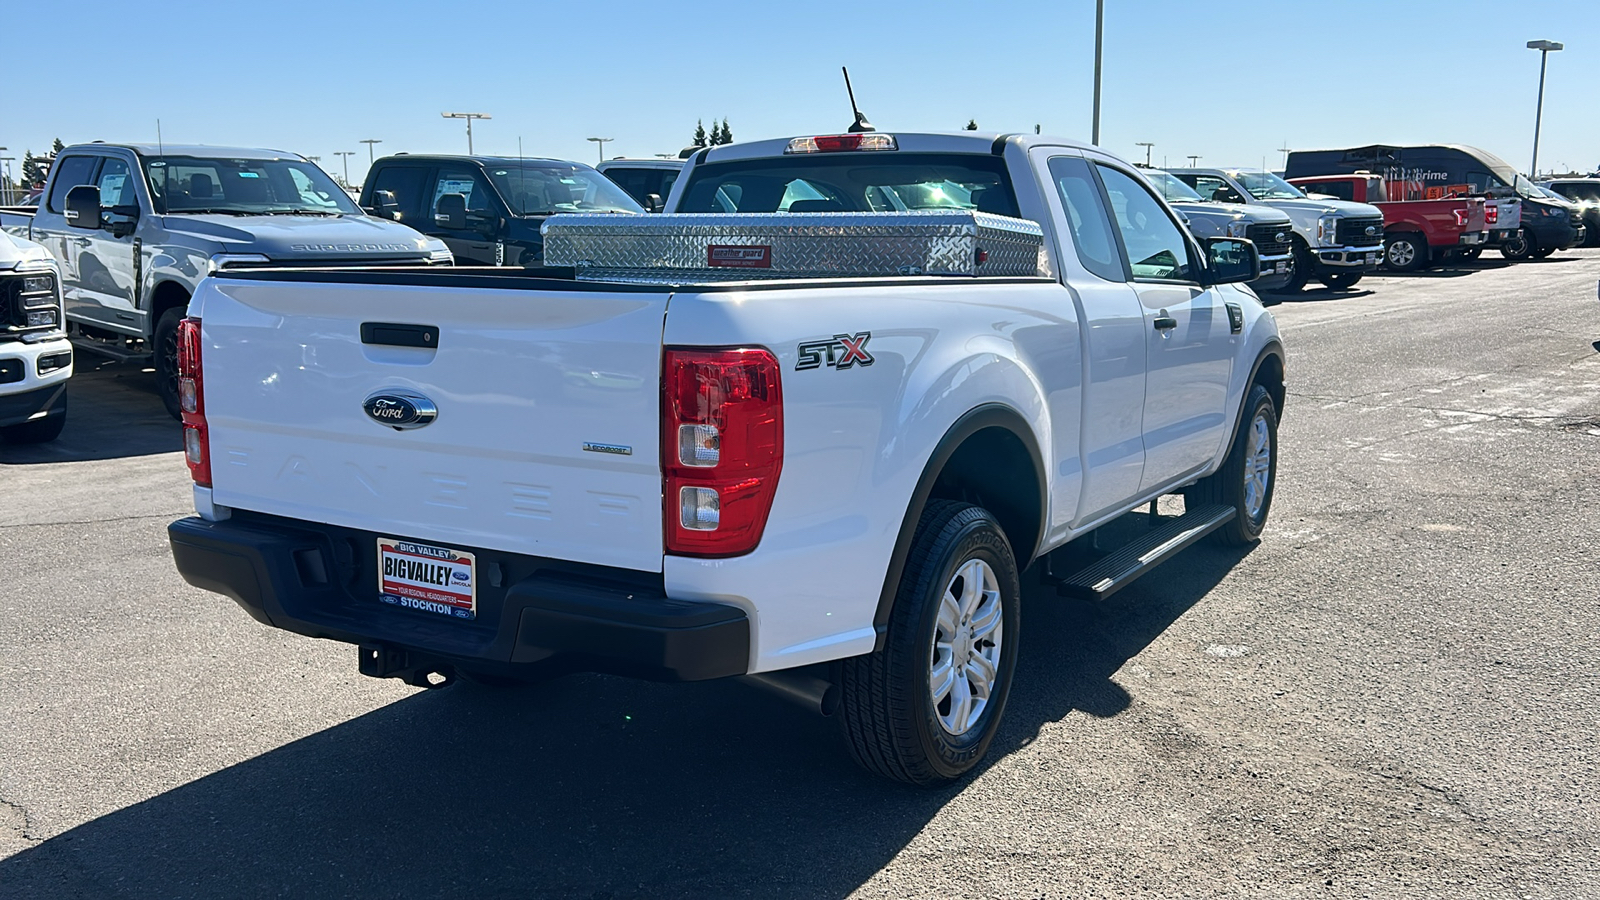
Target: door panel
<point>471,246</point>
<point>106,270</point>
<point>1189,343</point>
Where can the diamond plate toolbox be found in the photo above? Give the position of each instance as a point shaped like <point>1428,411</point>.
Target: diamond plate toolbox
<point>679,248</point>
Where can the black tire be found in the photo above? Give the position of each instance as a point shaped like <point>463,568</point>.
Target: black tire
<point>38,431</point>
<point>1302,270</point>
<point>1541,252</point>
<point>1406,251</point>
<point>1519,247</point>
<point>1341,281</point>
<point>1227,485</point>
<point>1469,253</point>
<point>166,358</point>
<point>887,711</point>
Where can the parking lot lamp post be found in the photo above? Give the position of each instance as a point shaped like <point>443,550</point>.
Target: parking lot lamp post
<point>469,117</point>
<point>346,154</point>
<point>1544,48</point>
<point>1146,145</point>
<point>600,145</point>
<point>1194,160</point>
<point>369,142</point>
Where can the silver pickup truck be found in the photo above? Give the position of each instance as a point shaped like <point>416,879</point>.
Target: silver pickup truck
<point>1271,230</point>
<point>134,227</point>
<point>1336,241</point>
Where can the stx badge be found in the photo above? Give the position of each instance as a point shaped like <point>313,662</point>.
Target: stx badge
<point>844,351</point>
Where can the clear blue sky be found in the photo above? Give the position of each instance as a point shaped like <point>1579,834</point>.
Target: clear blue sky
<point>1230,81</point>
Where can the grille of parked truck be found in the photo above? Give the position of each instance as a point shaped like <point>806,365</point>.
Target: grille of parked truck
<point>135,228</point>
<point>505,474</point>
<point>35,355</point>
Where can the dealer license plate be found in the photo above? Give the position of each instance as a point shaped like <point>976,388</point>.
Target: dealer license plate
<point>1372,259</point>
<point>430,579</point>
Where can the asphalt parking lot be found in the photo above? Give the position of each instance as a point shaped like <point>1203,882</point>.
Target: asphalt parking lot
<point>1394,694</point>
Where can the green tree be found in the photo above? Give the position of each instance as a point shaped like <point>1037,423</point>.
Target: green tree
<point>33,169</point>
<point>727,133</point>
<point>57,147</point>
<point>700,134</point>
<point>972,124</point>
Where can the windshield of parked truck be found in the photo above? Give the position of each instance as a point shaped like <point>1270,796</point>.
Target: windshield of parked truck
<point>542,189</point>
<point>876,181</point>
<point>1171,188</point>
<point>1586,192</point>
<point>244,187</point>
<point>1266,186</point>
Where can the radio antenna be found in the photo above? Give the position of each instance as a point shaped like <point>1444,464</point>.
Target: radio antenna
<point>160,149</point>
<point>861,123</point>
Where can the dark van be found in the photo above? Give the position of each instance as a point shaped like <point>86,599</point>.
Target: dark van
<point>1446,170</point>
<point>487,209</point>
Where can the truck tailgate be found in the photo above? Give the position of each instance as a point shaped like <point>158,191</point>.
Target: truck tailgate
<point>523,380</point>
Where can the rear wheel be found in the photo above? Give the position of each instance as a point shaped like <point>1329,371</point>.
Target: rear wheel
<point>166,358</point>
<point>1518,247</point>
<point>1248,476</point>
<point>37,431</point>
<point>1407,251</point>
<point>925,707</point>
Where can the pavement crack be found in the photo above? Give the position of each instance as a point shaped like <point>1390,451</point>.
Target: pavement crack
<point>167,515</point>
<point>1355,401</point>
<point>14,817</point>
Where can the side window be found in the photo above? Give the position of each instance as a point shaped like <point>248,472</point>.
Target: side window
<point>71,172</point>
<point>405,182</point>
<point>116,184</point>
<point>1343,190</point>
<point>1211,187</point>
<point>1086,217</point>
<point>465,182</point>
<point>1155,245</point>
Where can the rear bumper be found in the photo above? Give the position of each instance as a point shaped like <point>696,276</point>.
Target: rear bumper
<point>533,614</point>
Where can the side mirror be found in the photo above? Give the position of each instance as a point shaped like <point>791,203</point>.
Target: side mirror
<point>451,211</point>
<point>83,207</point>
<point>1230,260</point>
<point>654,203</point>
<point>384,205</point>
<point>124,219</point>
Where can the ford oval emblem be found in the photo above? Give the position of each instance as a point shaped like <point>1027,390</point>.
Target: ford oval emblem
<point>1372,229</point>
<point>400,410</point>
<point>1280,237</point>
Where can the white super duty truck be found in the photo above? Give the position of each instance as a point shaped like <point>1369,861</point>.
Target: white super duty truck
<point>35,355</point>
<point>809,428</point>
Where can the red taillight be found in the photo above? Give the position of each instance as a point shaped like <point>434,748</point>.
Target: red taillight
<point>1461,216</point>
<point>1491,215</point>
<point>192,403</point>
<point>721,448</point>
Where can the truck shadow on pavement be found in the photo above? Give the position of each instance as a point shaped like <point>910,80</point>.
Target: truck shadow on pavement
<point>589,787</point>
<point>113,411</point>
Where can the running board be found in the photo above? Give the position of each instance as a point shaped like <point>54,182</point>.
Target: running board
<point>1119,569</point>
<point>108,349</point>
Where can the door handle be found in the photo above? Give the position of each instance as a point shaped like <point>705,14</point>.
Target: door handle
<point>1165,322</point>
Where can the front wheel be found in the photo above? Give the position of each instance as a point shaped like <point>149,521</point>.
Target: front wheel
<point>1248,476</point>
<point>1341,280</point>
<point>925,707</point>
<point>166,359</point>
<point>1541,252</point>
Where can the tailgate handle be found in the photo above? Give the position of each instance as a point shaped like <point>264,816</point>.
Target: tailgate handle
<point>397,334</point>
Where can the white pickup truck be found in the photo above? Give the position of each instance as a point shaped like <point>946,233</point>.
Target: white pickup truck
<point>808,427</point>
<point>35,355</point>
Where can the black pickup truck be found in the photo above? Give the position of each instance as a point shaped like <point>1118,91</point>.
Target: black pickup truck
<point>487,209</point>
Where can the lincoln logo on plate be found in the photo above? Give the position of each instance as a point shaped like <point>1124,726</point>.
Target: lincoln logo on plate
<point>400,410</point>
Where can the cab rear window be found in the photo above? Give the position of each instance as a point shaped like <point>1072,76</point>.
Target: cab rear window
<point>857,182</point>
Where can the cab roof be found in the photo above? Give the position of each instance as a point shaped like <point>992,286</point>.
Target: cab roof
<point>197,150</point>
<point>988,142</point>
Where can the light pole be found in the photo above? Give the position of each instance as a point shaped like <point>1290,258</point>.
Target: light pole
<point>1194,160</point>
<point>1285,151</point>
<point>600,145</point>
<point>1099,30</point>
<point>346,154</point>
<point>1544,48</point>
<point>10,186</point>
<point>469,117</point>
<point>1146,145</point>
<point>369,142</point>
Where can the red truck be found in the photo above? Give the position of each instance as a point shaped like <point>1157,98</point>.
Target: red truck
<point>1416,232</point>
